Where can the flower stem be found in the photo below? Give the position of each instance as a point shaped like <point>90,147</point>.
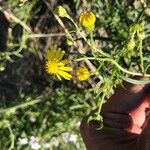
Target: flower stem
<point>141,57</point>
<point>101,100</point>
<point>116,64</point>
<point>85,3</point>
<point>23,105</point>
<point>12,136</point>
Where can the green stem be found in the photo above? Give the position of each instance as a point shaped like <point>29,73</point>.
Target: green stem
<point>93,47</point>
<point>89,43</point>
<point>107,6</point>
<point>85,3</point>
<point>12,136</point>
<point>77,4</point>
<point>141,57</point>
<point>116,64</point>
<point>91,39</point>
<point>92,44</point>
<point>101,100</point>
<point>20,106</point>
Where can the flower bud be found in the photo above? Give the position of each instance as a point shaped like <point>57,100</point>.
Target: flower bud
<point>87,20</point>
<point>141,35</point>
<point>61,12</point>
<point>82,73</point>
<point>131,45</point>
<point>69,42</point>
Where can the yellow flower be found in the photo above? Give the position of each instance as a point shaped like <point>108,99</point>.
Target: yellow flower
<point>61,11</point>
<point>56,66</point>
<point>82,73</point>
<point>87,19</point>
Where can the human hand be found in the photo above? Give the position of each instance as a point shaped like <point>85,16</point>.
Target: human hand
<point>126,121</point>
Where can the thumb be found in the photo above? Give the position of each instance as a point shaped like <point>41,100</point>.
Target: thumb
<point>144,138</point>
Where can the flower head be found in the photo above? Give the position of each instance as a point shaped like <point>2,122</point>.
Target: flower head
<point>82,73</point>
<point>61,11</point>
<point>87,19</point>
<point>56,66</point>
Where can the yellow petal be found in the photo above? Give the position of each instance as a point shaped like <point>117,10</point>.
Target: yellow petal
<point>59,55</point>
<point>65,75</point>
<point>82,73</point>
<point>65,68</point>
<point>65,61</point>
<point>87,19</point>
<point>51,54</point>
<point>60,64</point>
<point>58,76</point>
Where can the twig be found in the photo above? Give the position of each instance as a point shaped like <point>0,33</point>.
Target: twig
<point>20,106</point>
<point>58,20</point>
<point>45,35</point>
<point>10,15</point>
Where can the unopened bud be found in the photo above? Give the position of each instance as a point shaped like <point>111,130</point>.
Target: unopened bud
<point>61,12</point>
<point>131,45</point>
<point>69,42</point>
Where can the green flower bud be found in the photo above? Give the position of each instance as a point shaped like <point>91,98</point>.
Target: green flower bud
<point>131,45</point>
<point>61,12</point>
<point>90,28</point>
<point>141,35</point>
<point>2,67</point>
<point>69,42</point>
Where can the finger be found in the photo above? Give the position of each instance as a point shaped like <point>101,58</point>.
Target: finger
<point>88,132</point>
<point>106,138</point>
<point>126,98</point>
<point>86,128</point>
<point>116,120</point>
<point>143,142</point>
<point>144,138</point>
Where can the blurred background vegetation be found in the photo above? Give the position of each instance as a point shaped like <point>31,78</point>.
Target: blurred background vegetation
<point>37,111</point>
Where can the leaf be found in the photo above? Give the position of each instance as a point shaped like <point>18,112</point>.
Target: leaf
<point>134,81</point>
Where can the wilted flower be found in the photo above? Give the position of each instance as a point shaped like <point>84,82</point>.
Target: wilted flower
<point>82,73</point>
<point>61,12</point>
<point>87,20</point>
<point>56,66</point>
<point>138,29</point>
